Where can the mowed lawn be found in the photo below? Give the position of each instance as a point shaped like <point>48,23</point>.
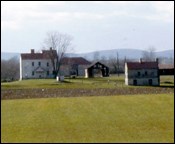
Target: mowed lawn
<point>132,118</point>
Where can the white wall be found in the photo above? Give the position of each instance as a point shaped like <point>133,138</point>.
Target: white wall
<point>143,81</point>
<point>65,70</point>
<point>26,68</point>
<point>81,70</point>
<point>20,65</point>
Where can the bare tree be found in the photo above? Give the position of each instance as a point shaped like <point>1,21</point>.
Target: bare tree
<point>118,64</point>
<point>112,63</point>
<point>115,63</point>
<point>59,44</point>
<point>96,56</point>
<point>10,69</point>
<point>103,59</point>
<point>3,69</point>
<point>149,54</point>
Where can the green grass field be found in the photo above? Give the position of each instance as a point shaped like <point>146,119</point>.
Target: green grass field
<point>132,118</point>
<point>106,82</point>
<point>125,118</point>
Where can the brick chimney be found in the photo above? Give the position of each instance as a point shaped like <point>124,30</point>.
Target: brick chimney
<point>140,60</point>
<point>32,51</point>
<point>157,60</point>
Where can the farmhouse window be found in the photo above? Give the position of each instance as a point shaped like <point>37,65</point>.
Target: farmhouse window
<point>39,63</point>
<point>33,73</point>
<point>47,64</point>
<point>32,63</point>
<point>146,73</point>
<point>138,73</point>
<point>152,73</point>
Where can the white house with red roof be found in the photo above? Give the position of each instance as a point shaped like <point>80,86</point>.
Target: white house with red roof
<point>39,65</point>
<point>36,65</point>
<point>142,73</point>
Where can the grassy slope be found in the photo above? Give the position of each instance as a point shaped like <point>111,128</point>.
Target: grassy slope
<point>134,118</point>
<point>106,82</point>
<point>68,83</point>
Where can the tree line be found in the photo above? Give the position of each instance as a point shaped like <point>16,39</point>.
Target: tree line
<point>10,69</point>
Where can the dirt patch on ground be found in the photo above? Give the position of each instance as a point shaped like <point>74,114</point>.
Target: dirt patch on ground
<point>53,92</point>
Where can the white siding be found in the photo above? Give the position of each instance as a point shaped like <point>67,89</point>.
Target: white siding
<point>81,70</point>
<point>20,63</point>
<point>126,74</point>
<point>65,70</point>
<point>26,69</point>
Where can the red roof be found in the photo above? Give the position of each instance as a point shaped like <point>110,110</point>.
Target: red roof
<point>166,66</point>
<point>44,55</point>
<point>75,60</point>
<point>142,65</point>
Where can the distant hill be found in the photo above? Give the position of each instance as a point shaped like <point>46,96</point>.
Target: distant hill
<point>129,53</point>
<point>167,53</point>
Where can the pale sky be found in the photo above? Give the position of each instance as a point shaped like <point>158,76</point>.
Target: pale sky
<point>94,25</point>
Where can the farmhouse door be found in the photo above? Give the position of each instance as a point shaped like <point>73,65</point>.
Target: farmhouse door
<point>135,82</point>
<point>150,82</point>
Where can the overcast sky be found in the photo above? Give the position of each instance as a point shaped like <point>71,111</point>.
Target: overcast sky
<point>94,25</point>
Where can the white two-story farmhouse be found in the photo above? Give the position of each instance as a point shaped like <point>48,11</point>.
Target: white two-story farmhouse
<point>38,65</point>
<point>142,73</point>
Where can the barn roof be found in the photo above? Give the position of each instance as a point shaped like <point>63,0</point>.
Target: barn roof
<point>75,60</point>
<point>142,65</point>
<point>166,66</point>
<point>96,63</point>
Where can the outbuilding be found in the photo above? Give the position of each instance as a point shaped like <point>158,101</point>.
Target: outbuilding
<point>142,73</point>
<point>166,69</point>
<point>97,69</point>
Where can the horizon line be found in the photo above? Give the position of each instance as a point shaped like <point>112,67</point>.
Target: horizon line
<point>93,51</point>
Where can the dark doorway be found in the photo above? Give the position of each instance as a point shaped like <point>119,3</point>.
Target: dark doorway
<point>150,81</point>
<point>135,82</point>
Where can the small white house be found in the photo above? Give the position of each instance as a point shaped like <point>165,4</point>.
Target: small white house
<point>142,73</point>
